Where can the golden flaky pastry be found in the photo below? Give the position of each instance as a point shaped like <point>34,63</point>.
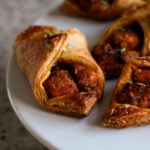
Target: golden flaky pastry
<point>126,38</point>
<point>98,9</point>
<point>130,103</point>
<point>62,73</point>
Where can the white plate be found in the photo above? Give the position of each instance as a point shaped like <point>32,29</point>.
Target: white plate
<point>66,133</point>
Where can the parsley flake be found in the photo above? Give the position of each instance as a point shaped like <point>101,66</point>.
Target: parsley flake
<point>122,50</point>
<point>121,29</point>
<point>126,105</point>
<point>104,2</point>
<point>48,34</point>
<point>48,46</point>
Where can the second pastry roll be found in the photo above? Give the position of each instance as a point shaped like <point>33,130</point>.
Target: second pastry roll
<point>125,39</point>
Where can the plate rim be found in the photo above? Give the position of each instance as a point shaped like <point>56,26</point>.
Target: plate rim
<point>34,134</point>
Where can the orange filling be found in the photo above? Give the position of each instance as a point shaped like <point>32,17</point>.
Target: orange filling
<point>69,79</point>
<point>138,92</point>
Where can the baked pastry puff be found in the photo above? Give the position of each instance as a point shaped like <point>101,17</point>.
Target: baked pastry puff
<point>62,73</point>
<point>126,38</point>
<point>130,103</point>
<point>98,9</point>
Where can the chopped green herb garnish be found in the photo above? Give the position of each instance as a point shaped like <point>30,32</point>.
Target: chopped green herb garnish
<point>48,34</point>
<point>48,46</point>
<point>127,105</point>
<point>121,29</point>
<point>104,2</point>
<point>122,50</point>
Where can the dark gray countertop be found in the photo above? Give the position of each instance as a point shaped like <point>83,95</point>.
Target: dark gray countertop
<point>15,15</point>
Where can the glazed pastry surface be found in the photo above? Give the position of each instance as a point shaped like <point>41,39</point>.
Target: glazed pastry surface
<point>62,73</point>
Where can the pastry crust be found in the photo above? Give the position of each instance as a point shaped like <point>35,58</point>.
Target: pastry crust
<point>137,20</point>
<point>101,10</point>
<point>121,115</point>
<point>39,48</point>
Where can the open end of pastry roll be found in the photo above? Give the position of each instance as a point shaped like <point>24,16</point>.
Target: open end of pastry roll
<point>127,38</point>
<point>130,103</point>
<point>98,9</point>
<point>63,75</point>
<point>72,87</point>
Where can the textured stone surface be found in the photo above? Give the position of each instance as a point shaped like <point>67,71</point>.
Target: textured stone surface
<point>15,15</point>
